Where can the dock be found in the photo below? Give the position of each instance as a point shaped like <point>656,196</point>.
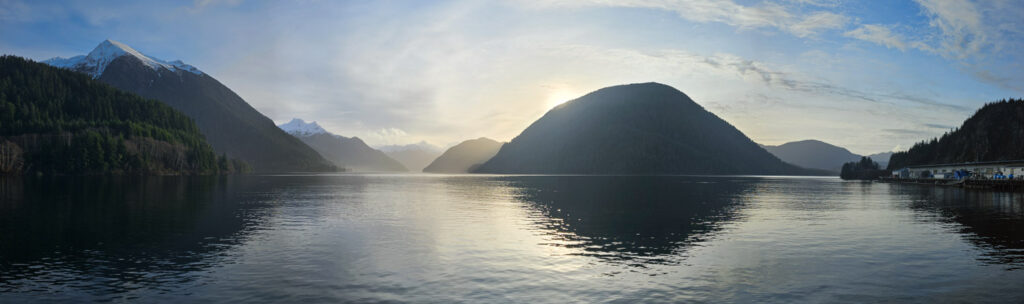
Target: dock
<point>993,184</point>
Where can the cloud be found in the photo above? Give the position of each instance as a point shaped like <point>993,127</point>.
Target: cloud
<point>200,4</point>
<point>1005,82</point>
<point>14,10</point>
<point>938,126</point>
<point>975,35</point>
<point>787,80</point>
<point>818,22</point>
<point>389,136</point>
<point>969,32</point>
<point>960,22</point>
<point>879,34</point>
<point>901,132</point>
<point>822,3</point>
<point>956,31</point>
<point>764,15</point>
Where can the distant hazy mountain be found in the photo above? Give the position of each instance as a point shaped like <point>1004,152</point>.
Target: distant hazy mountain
<point>465,156</point>
<point>881,158</point>
<point>647,128</point>
<point>813,154</point>
<point>995,132</point>
<point>415,157</point>
<point>229,124</point>
<point>348,152</point>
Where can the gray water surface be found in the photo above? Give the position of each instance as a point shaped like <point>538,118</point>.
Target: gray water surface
<point>525,239</point>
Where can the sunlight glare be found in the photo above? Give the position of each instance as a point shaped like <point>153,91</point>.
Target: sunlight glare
<point>560,96</point>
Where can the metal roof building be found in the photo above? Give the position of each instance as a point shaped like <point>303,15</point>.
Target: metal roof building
<point>987,170</point>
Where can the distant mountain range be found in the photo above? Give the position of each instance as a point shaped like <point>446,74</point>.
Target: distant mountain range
<point>350,153</point>
<point>647,128</point>
<point>465,157</point>
<point>815,154</point>
<point>415,157</point>
<point>229,124</point>
<point>995,132</point>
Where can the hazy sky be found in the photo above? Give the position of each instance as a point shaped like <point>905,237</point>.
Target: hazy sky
<point>866,75</point>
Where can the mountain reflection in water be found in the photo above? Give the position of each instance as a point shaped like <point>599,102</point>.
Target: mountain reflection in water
<point>120,233</point>
<point>517,239</point>
<point>629,219</point>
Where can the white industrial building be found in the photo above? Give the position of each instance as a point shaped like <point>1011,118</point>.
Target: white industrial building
<point>1011,169</point>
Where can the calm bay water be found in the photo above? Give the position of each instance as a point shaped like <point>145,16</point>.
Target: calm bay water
<point>435,238</point>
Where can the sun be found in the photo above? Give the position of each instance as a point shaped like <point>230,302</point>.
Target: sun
<point>560,96</point>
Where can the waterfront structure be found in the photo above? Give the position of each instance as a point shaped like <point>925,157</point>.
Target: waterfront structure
<point>1009,169</point>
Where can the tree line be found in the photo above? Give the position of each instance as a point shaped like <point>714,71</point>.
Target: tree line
<point>866,169</point>
<point>995,132</point>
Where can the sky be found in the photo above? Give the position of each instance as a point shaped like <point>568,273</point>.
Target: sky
<point>871,76</point>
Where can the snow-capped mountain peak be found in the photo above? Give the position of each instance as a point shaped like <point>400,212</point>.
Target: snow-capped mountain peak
<point>97,61</point>
<point>302,128</point>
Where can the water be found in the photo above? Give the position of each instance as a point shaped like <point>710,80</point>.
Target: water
<point>526,239</point>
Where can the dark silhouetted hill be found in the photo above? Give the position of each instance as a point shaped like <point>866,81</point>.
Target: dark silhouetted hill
<point>647,128</point>
<point>813,154</point>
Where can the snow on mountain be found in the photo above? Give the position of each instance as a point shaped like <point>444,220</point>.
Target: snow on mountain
<point>96,61</point>
<point>300,127</point>
<point>65,62</point>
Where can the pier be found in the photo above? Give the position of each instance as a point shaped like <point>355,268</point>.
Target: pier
<point>993,184</point>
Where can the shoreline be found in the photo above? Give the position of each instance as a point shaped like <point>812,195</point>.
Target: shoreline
<point>990,184</point>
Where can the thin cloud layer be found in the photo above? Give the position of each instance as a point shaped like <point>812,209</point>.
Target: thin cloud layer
<point>743,17</point>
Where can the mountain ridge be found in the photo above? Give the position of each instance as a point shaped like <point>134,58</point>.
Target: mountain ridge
<point>228,122</point>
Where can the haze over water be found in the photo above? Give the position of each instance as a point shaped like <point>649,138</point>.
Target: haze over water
<point>436,238</point>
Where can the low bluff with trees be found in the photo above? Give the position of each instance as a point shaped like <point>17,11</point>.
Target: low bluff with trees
<point>59,122</point>
<point>866,169</point>
<point>995,132</point>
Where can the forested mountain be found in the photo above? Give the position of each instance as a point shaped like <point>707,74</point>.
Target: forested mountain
<point>54,121</point>
<point>348,152</point>
<point>995,132</point>
<point>813,154</point>
<point>414,157</point>
<point>465,156</point>
<point>647,128</point>
<point>230,124</point>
